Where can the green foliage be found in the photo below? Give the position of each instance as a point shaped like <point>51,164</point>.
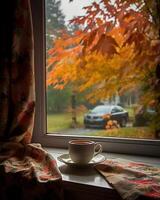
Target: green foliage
<point>58,100</point>
<point>54,21</point>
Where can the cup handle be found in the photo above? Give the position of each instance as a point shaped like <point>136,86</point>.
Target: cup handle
<point>99,146</point>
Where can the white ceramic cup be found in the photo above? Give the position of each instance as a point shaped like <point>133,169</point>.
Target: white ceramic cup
<point>82,151</point>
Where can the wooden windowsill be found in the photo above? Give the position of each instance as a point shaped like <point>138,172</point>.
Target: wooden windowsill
<point>85,183</point>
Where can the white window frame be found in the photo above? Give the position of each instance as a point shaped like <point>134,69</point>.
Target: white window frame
<point>115,145</point>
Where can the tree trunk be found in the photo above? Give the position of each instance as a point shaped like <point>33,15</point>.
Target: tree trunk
<point>74,113</point>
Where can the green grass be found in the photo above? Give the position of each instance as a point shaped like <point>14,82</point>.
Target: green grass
<point>129,132</point>
<point>61,122</point>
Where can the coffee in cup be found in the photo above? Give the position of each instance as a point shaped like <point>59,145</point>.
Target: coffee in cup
<point>82,151</point>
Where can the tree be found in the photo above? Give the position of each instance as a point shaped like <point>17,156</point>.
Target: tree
<point>54,21</point>
<point>57,101</point>
<point>95,72</point>
<point>119,44</point>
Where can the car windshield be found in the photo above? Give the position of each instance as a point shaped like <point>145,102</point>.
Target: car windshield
<point>101,109</point>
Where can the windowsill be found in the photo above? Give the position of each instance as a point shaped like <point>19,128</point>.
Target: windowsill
<point>88,179</point>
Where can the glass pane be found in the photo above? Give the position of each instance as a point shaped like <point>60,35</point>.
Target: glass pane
<point>95,62</point>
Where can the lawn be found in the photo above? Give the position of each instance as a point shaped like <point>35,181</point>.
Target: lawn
<point>62,122</point>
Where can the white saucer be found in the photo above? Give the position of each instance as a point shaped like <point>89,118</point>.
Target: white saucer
<point>65,158</point>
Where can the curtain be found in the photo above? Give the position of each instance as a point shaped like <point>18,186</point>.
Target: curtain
<point>26,170</point>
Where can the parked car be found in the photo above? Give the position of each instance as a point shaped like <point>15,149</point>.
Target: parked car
<point>144,115</point>
<point>98,116</point>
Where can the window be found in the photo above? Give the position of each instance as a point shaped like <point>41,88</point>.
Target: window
<point>115,110</point>
<point>110,144</point>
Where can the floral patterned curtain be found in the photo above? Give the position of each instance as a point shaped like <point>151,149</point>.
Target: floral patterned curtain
<point>26,170</point>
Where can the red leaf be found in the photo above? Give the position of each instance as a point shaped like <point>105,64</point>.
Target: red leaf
<point>106,45</point>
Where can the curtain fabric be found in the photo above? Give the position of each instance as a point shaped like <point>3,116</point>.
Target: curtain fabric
<point>26,170</point>
<point>132,180</point>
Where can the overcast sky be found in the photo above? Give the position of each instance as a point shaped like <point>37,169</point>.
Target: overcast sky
<point>72,9</point>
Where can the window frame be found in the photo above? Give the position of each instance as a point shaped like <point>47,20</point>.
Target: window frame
<point>110,144</point>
